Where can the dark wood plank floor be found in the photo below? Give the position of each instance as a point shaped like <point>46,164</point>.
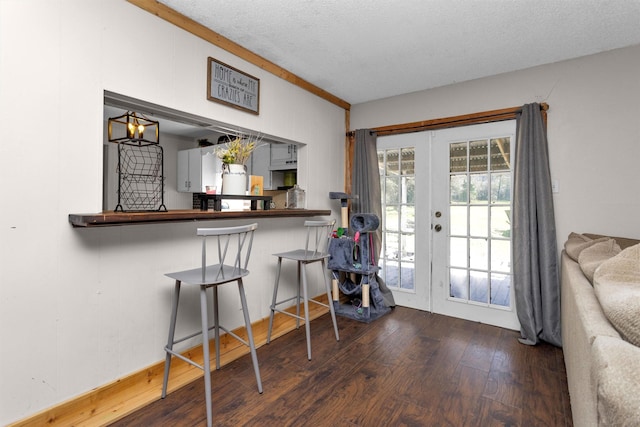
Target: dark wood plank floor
<point>408,368</point>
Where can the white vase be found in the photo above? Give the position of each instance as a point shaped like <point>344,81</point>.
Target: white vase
<point>234,179</point>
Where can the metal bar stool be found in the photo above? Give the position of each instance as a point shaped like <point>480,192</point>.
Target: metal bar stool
<point>235,242</point>
<point>315,250</point>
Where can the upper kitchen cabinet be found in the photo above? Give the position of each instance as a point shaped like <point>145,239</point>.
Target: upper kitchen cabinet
<point>284,156</point>
<point>260,164</point>
<point>197,169</point>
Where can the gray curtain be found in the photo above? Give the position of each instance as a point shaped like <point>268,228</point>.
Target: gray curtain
<point>535,265</point>
<point>365,190</point>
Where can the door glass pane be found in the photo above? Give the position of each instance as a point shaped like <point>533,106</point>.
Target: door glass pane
<point>391,218</point>
<point>458,189</point>
<point>478,253</point>
<point>407,166</point>
<point>458,283</point>
<point>392,245</point>
<point>407,276</point>
<point>407,218</point>
<point>390,272</point>
<point>500,255</point>
<point>501,289</point>
<point>458,220</point>
<point>393,165</point>
<point>478,221</point>
<point>407,257</point>
<point>458,252</point>
<point>408,247</point>
<point>408,189</point>
<point>501,221</point>
<point>500,153</point>
<point>392,190</point>
<point>478,160</point>
<point>458,157</point>
<point>500,187</point>
<point>479,188</point>
<point>479,286</point>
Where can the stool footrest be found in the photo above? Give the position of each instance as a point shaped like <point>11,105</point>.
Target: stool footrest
<point>295,315</point>
<point>184,359</point>
<point>195,334</point>
<point>319,303</point>
<point>286,300</point>
<point>242,340</point>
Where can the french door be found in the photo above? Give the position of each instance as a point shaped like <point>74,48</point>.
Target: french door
<point>446,225</point>
<point>404,259</point>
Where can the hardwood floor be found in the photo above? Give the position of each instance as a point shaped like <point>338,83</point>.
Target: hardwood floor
<point>408,368</point>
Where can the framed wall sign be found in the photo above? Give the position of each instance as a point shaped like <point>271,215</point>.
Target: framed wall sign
<point>230,86</point>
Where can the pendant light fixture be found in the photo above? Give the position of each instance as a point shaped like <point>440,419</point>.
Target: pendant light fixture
<point>133,129</point>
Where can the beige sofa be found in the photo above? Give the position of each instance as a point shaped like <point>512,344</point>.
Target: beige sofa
<point>601,329</point>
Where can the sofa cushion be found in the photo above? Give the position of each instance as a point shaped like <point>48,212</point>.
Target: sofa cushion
<point>576,243</point>
<point>616,375</point>
<point>591,257</point>
<point>617,286</point>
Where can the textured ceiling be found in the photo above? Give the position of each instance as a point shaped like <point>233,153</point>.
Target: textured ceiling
<point>362,50</point>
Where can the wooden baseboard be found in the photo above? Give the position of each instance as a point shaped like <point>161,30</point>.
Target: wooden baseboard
<point>111,402</point>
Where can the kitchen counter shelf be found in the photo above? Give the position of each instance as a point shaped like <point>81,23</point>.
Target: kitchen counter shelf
<point>110,218</point>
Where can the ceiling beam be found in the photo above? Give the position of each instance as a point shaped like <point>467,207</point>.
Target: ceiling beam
<point>170,15</point>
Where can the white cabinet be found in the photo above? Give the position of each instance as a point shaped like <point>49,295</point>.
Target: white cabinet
<point>284,156</point>
<point>260,163</point>
<point>184,177</point>
<point>197,169</point>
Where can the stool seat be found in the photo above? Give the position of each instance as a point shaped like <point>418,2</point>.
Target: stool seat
<point>302,255</point>
<point>194,276</point>
<point>318,234</point>
<point>233,246</point>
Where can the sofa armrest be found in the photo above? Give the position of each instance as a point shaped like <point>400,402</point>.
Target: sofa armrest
<point>616,374</point>
<point>582,321</point>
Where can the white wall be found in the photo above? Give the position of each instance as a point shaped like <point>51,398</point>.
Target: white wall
<point>593,131</point>
<point>82,307</point>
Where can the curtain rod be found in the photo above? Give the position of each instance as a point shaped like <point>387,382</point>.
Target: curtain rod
<point>353,132</point>
<point>454,121</point>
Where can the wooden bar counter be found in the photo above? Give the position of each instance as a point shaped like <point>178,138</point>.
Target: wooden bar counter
<point>110,218</point>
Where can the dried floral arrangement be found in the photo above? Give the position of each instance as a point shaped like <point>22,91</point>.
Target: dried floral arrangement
<point>238,149</point>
